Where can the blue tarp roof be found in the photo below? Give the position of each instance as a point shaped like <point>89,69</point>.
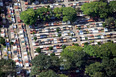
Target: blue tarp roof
<point>7,44</point>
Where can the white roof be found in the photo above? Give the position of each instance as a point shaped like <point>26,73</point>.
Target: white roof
<point>24,52</point>
<point>33,43</point>
<point>27,64</point>
<point>57,54</point>
<point>102,36</point>
<point>83,38</point>
<point>41,46</point>
<point>21,31</point>
<point>14,47</point>
<point>69,26</point>
<point>21,36</point>
<point>16,58</point>
<point>35,54</point>
<point>95,31</point>
<point>16,36</point>
<point>3,34</point>
<point>73,38</point>
<point>100,24</point>
<point>13,40</point>
<point>59,50</point>
<point>25,57</point>
<point>114,41</point>
<point>95,43</point>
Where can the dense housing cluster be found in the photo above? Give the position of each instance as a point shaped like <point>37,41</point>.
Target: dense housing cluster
<point>57,38</point>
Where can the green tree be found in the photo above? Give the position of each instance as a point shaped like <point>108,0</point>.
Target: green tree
<point>38,50</point>
<point>104,69</point>
<point>99,74</point>
<point>102,51</point>
<point>57,30</point>
<point>35,38</point>
<point>2,41</point>
<point>104,24</point>
<point>62,75</point>
<point>58,12</point>
<point>52,54</point>
<point>48,73</point>
<point>55,61</point>
<point>75,44</point>
<point>59,34</point>
<point>113,6</point>
<point>11,43</point>
<point>104,0</point>
<point>70,49</point>
<point>110,21</point>
<point>109,67</point>
<point>91,50</point>
<point>44,13</point>
<point>43,62</point>
<point>7,67</point>
<point>92,69</point>
<point>105,50</point>
<point>34,71</point>
<point>99,9</point>
<point>28,17</point>
<point>63,46</point>
<point>69,15</point>
<point>50,48</point>
<point>72,57</point>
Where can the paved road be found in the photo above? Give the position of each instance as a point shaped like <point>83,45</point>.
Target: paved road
<point>30,41</point>
<point>78,38</point>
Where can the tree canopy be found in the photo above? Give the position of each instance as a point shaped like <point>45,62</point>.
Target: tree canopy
<point>69,15</point>
<point>7,67</point>
<point>91,50</point>
<point>102,51</point>
<point>105,69</point>
<point>92,69</point>
<point>48,73</point>
<point>44,62</point>
<point>44,13</point>
<point>2,41</point>
<point>68,51</point>
<point>58,12</point>
<point>113,6</point>
<point>73,56</point>
<point>28,17</point>
<point>38,50</point>
<point>62,75</point>
<point>98,9</point>
<point>110,21</point>
<point>51,73</point>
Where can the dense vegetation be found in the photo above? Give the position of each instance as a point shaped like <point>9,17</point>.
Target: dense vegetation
<point>7,67</point>
<point>99,9</point>
<point>30,16</point>
<point>96,61</point>
<point>2,41</point>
